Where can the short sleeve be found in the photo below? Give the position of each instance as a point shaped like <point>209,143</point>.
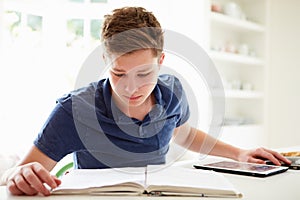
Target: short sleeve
<point>184,111</point>
<point>172,97</point>
<point>58,137</point>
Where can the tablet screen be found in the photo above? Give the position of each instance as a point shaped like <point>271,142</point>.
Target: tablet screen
<point>242,166</point>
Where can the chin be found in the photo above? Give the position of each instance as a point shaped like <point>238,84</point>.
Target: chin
<point>134,104</point>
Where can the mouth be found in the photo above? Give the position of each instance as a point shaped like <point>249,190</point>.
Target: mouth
<point>133,98</point>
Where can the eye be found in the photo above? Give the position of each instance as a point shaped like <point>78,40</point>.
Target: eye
<point>118,75</point>
<point>143,75</point>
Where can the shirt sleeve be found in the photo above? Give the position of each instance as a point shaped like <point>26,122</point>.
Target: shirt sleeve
<point>58,137</point>
<point>184,110</point>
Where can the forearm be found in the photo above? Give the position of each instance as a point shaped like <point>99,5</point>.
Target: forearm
<point>200,142</point>
<point>215,147</point>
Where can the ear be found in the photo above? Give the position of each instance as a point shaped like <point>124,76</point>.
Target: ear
<point>161,58</point>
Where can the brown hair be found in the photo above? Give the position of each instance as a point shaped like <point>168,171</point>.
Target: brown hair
<point>129,29</point>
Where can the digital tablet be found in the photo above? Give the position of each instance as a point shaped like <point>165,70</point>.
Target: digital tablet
<point>242,168</point>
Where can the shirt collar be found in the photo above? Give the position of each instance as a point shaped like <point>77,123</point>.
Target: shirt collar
<point>118,116</point>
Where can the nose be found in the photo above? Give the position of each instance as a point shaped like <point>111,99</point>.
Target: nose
<point>130,85</point>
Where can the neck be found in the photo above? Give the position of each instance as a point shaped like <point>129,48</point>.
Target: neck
<point>137,112</point>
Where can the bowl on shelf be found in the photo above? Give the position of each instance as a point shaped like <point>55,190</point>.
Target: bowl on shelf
<point>216,8</point>
<point>232,9</point>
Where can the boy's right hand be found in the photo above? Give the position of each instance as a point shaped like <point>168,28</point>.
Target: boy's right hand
<point>30,179</point>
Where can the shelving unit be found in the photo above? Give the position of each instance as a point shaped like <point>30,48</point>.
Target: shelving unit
<point>234,58</point>
<point>238,24</point>
<point>238,50</point>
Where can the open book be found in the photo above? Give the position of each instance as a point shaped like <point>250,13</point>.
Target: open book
<point>150,180</point>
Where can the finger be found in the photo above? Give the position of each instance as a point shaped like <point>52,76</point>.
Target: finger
<point>265,154</point>
<point>35,182</point>
<point>57,180</point>
<point>278,156</point>
<point>13,189</point>
<point>282,158</point>
<point>23,185</point>
<point>44,176</point>
<point>287,161</point>
<point>256,160</point>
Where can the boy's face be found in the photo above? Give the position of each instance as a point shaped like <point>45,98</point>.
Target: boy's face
<point>134,76</point>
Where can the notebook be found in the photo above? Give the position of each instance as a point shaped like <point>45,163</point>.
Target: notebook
<point>150,181</point>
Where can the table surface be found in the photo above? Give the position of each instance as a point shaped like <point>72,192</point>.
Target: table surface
<point>281,186</point>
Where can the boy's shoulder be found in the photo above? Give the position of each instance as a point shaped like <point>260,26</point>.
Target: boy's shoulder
<point>88,91</point>
<point>168,78</point>
<point>169,81</point>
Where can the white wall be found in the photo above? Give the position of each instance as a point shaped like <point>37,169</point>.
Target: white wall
<point>1,24</point>
<point>284,76</point>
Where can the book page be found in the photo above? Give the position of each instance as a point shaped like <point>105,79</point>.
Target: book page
<point>179,179</point>
<point>160,180</point>
<point>83,179</point>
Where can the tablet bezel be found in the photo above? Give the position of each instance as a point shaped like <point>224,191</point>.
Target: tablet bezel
<point>242,171</point>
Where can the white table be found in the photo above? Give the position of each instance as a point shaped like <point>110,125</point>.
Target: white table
<point>281,186</point>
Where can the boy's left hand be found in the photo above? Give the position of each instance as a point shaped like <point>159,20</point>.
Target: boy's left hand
<point>260,155</point>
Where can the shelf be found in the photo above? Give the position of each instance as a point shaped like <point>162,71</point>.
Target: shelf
<point>242,94</point>
<point>239,94</point>
<point>230,128</point>
<point>240,24</point>
<point>227,37</point>
<point>236,58</point>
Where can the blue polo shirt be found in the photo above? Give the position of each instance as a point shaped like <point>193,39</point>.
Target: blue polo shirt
<point>87,123</point>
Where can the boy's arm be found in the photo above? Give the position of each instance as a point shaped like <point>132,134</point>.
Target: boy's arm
<point>198,141</point>
<point>29,176</point>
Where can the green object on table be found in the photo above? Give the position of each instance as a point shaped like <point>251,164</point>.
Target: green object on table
<point>64,169</point>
